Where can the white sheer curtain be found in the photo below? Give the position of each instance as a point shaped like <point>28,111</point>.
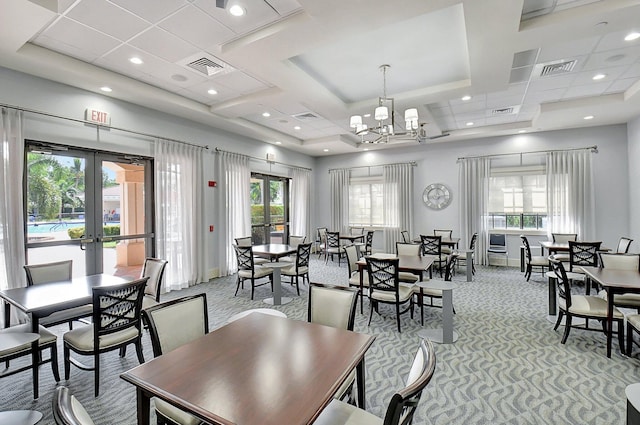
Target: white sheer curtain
<point>300,199</point>
<point>234,179</point>
<point>570,200</point>
<point>473,180</point>
<point>339,201</point>
<point>397,203</point>
<point>179,194</point>
<point>12,256</point>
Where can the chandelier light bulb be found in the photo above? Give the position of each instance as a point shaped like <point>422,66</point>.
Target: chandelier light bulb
<point>411,114</point>
<point>381,113</point>
<point>355,121</point>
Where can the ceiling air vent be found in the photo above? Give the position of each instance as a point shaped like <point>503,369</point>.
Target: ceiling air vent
<point>304,116</point>
<point>206,66</point>
<point>557,68</point>
<point>502,111</point>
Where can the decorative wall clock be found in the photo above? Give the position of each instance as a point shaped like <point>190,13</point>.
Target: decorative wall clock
<point>436,196</point>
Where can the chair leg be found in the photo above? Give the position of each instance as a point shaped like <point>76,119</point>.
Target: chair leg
<point>371,302</point>
<point>54,363</point>
<point>527,272</point>
<point>67,362</point>
<point>398,317</point>
<point>620,324</point>
<point>297,285</point>
<point>139,350</point>
<point>560,316</point>
<point>629,338</point>
<point>567,328</point>
<point>253,287</point>
<point>237,286</point>
<point>96,373</point>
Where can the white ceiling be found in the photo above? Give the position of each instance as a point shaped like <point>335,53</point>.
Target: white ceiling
<point>312,64</point>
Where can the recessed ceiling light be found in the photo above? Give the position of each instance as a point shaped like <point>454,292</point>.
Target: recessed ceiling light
<point>632,36</point>
<point>522,131</point>
<point>236,10</point>
<point>136,60</point>
<point>366,149</point>
<point>278,143</point>
<point>325,150</point>
<point>470,123</point>
<point>599,76</point>
<point>589,117</point>
<point>465,98</point>
<point>266,114</point>
<point>366,115</point>
<point>212,91</point>
<point>106,89</point>
<point>297,127</point>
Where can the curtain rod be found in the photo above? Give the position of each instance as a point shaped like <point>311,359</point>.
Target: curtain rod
<point>593,149</point>
<point>412,163</point>
<point>255,158</point>
<point>47,114</point>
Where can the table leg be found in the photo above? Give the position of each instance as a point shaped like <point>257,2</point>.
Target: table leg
<point>7,314</point>
<point>447,317</point>
<point>277,298</point>
<point>469,260</point>
<point>610,320</point>
<point>143,406</point>
<point>361,270</point>
<point>360,384</point>
<point>35,355</point>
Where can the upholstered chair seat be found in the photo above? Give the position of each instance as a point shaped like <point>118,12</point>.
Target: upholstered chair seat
<point>408,277</point>
<point>81,339</point>
<point>174,414</point>
<point>259,272</point>
<point>589,305</point>
<point>338,412</point>
<point>354,280</point>
<point>404,294</point>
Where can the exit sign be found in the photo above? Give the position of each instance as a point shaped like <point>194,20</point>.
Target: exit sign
<point>97,117</point>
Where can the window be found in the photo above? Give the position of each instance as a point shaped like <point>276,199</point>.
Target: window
<point>365,201</point>
<point>518,198</point>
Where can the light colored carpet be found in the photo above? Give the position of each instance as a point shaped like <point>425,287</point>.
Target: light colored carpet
<point>507,367</point>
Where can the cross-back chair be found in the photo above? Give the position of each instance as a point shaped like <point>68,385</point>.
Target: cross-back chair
<point>422,293</point>
<point>462,259</point>
<point>385,288</point>
<point>582,254</point>
<point>333,247</point>
<point>533,261</point>
<point>247,270</point>
<point>116,324</point>
<point>301,266</point>
<point>583,306</point>
<point>432,245</point>
<point>368,243</point>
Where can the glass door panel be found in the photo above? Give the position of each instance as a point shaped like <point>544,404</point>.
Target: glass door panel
<point>89,207</point>
<point>269,209</point>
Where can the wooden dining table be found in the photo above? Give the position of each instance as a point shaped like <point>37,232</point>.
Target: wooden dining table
<point>259,369</point>
<point>273,251</point>
<point>614,282</point>
<point>43,299</point>
<point>406,263</point>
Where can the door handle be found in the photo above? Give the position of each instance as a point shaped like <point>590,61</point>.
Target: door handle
<point>84,242</point>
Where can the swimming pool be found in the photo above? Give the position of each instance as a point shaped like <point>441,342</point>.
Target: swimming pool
<point>34,228</point>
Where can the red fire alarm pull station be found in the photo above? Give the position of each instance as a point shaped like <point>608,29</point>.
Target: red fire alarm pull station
<point>212,183</point>
<point>211,228</point>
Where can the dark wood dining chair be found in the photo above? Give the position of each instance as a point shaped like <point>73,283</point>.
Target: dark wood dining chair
<point>403,404</point>
<point>432,245</point>
<point>116,323</point>
<point>385,288</point>
<point>301,267</point>
<point>247,270</point>
<point>532,261</point>
<point>153,268</point>
<point>167,333</point>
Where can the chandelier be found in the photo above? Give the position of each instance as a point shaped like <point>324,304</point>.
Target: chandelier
<point>384,115</point>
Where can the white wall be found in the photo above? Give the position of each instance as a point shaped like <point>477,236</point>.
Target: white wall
<point>24,91</point>
<point>437,162</point>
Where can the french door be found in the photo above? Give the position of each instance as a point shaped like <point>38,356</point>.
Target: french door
<point>93,207</point>
<point>269,209</point>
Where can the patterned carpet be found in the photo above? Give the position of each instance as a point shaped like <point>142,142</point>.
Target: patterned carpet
<point>507,367</point>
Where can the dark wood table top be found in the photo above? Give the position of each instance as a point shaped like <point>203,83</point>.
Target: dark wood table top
<point>351,238</point>
<point>43,299</point>
<point>621,279</point>
<point>561,246</point>
<point>406,263</point>
<point>443,241</point>
<point>274,250</point>
<point>256,370</point>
